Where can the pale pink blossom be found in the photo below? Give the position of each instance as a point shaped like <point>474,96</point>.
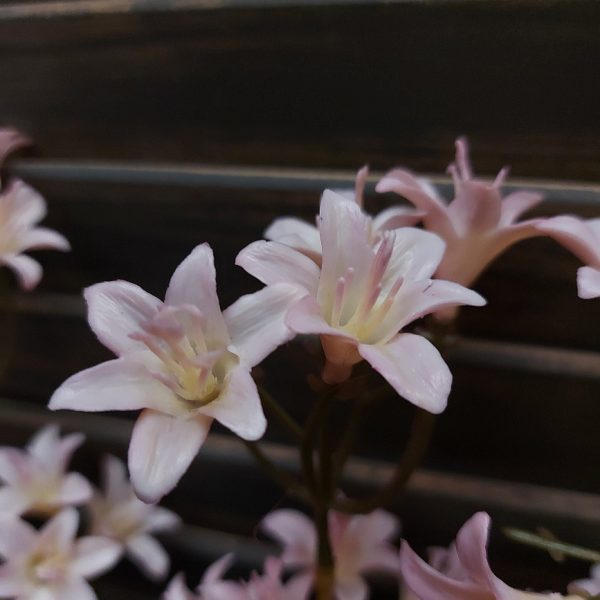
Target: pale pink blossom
<point>269,585</point>
<point>369,287</point>
<point>589,587</point>
<point>462,572</point>
<point>51,564</point>
<point>120,515</point>
<point>21,208</point>
<point>36,480</point>
<point>477,225</point>
<point>360,544</point>
<point>11,140</point>
<point>304,237</point>
<point>582,238</point>
<point>182,361</point>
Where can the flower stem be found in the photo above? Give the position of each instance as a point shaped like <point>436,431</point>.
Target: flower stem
<point>324,580</point>
<point>416,448</point>
<point>276,410</point>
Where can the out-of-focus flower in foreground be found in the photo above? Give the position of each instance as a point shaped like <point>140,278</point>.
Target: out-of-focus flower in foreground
<point>51,564</point>
<point>182,361</point>
<point>360,544</point>
<point>21,208</point>
<point>305,238</point>
<point>477,225</point>
<point>367,289</point>
<point>11,140</point>
<point>35,478</point>
<point>119,514</point>
<point>582,238</point>
<point>590,587</point>
<point>462,572</point>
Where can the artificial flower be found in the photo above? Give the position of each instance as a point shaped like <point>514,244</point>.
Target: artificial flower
<point>21,207</point>
<point>582,238</point>
<point>477,225</point>
<point>369,286</point>
<point>36,480</point>
<point>304,237</point>
<point>462,572</point>
<point>182,361</point>
<point>589,587</point>
<point>120,515</point>
<point>51,564</point>
<point>360,544</point>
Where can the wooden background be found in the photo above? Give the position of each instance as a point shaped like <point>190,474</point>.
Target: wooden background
<point>160,125</point>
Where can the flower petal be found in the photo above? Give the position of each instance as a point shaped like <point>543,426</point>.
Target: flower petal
<point>95,555</point>
<point>161,519</point>
<point>517,203</point>
<point>116,309</point>
<point>414,368</point>
<point>75,489</point>
<point>353,588</point>
<point>305,316</point>
<point>27,270</point>
<point>195,282</point>
<point>118,384</point>
<point>61,529</point>
<point>40,238</point>
<point>161,450</point>
<point>14,501</point>
<point>77,589</point>
<point>256,322</point>
<point>11,140</point>
<point>177,589</point>
<point>16,536</point>
<point>238,407</point>
<point>297,234</point>
<point>476,208</point>
<point>115,483</point>
<point>397,216</point>
<point>11,581</point>
<point>27,206</point>
<point>296,532</point>
<point>14,465</point>
<point>149,556</point>
<point>217,569</point>
<point>274,262</point>
<point>588,282</point>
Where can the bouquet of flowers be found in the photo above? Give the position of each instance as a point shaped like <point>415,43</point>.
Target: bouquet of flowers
<point>381,295</point>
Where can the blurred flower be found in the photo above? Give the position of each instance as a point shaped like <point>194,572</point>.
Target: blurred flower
<point>590,587</point>
<point>51,564</point>
<point>182,361</point>
<point>305,238</point>
<point>120,515</point>
<point>582,238</point>
<point>477,225</point>
<point>369,287</point>
<point>21,207</point>
<point>359,543</point>
<point>36,479</point>
<point>270,587</point>
<point>462,572</point>
<point>11,140</point>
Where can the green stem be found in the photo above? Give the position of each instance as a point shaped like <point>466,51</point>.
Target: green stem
<point>283,478</point>
<point>414,453</point>
<point>276,410</point>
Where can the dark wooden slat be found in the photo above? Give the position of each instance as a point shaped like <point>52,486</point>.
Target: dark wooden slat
<point>290,85</point>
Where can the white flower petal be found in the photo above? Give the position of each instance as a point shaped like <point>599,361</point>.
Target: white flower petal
<point>296,532</point>
<point>27,270</point>
<point>14,501</point>
<point>60,531</point>
<point>74,590</point>
<point>94,555</point>
<point>14,465</point>
<point>256,322</point>
<point>295,233</point>
<point>40,238</point>
<point>149,556</point>
<point>75,489</point>
<point>16,536</point>
<point>414,368</point>
<point>161,450</point>
<point>588,283</point>
<point>116,309</point>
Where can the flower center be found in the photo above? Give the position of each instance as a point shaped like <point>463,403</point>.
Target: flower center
<point>48,566</point>
<point>175,335</point>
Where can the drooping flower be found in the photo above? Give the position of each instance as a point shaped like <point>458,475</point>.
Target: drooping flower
<point>590,587</point>
<point>36,480</point>
<point>370,285</point>
<point>304,237</point>
<point>582,238</point>
<point>360,544</point>
<point>21,208</point>
<point>462,572</point>
<point>182,361</point>
<point>51,564</point>
<point>477,226</point>
<point>120,515</point>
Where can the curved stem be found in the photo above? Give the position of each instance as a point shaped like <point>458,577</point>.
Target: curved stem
<point>276,410</point>
<point>414,453</point>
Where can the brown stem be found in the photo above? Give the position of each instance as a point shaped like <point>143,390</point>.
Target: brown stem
<point>414,453</point>
<point>324,580</point>
<point>276,410</point>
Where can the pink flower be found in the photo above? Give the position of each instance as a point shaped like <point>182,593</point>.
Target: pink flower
<point>270,587</point>
<point>590,587</point>
<point>582,238</point>
<point>182,361</point>
<point>50,563</point>
<point>477,225</point>
<point>36,478</point>
<point>360,544</point>
<point>21,207</point>
<point>369,287</point>
<point>119,515</point>
<point>462,572</point>
<point>304,237</point>
<point>11,140</point>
